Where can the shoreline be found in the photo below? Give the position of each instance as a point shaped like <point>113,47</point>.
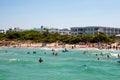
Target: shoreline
<point>52,46</point>
<point>62,46</point>
<point>48,45</point>
<point>55,47</point>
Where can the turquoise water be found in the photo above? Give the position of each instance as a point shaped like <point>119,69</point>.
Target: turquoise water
<point>16,64</point>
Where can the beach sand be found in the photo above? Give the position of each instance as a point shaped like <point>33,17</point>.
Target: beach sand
<point>51,46</point>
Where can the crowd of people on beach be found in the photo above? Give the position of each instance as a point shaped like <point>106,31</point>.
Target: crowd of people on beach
<point>29,44</point>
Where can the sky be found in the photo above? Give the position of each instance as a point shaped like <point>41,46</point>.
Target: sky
<point>28,14</point>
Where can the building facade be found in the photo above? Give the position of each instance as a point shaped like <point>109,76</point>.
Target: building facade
<point>60,31</point>
<point>94,29</point>
<point>2,31</point>
<point>54,30</point>
<point>14,30</point>
<point>64,32</point>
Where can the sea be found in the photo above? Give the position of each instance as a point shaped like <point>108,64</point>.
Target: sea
<point>74,64</point>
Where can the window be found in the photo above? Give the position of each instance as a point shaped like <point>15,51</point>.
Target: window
<point>80,29</point>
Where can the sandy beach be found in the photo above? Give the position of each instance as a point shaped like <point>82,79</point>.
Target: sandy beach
<point>94,46</point>
<point>13,44</point>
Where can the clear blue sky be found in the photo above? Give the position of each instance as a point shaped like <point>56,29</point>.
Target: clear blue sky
<point>59,13</point>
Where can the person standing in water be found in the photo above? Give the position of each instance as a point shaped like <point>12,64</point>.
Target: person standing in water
<point>40,60</point>
<point>28,52</point>
<point>98,58</point>
<point>118,56</point>
<point>108,56</point>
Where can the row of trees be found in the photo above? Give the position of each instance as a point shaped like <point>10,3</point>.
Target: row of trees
<point>55,37</point>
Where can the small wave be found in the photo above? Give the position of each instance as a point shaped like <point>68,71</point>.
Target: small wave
<point>115,55</point>
<point>13,59</point>
<point>18,61</point>
<point>53,48</point>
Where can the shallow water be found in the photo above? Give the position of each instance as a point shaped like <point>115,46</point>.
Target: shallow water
<point>16,64</point>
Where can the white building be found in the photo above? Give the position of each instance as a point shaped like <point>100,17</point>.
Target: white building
<point>94,29</point>
<point>14,30</point>
<point>60,31</point>
<point>2,31</point>
<point>53,30</point>
<point>64,32</point>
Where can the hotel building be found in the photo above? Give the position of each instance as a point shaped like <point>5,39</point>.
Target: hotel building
<point>94,29</point>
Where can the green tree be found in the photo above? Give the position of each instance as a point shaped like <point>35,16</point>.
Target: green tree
<point>2,36</point>
<point>13,35</point>
<point>47,37</point>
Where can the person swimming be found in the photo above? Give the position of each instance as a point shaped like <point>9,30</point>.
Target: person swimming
<point>118,56</point>
<point>56,54</point>
<point>53,50</point>
<point>96,54</point>
<point>34,52</point>
<point>44,52</point>
<point>28,52</point>
<point>40,60</point>
<point>53,53</point>
<point>101,54</point>
<point>84,65</point>
<point>98,58</point>
<point>6,51</point>
<point>65,50</point>
<point>108,56</point>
